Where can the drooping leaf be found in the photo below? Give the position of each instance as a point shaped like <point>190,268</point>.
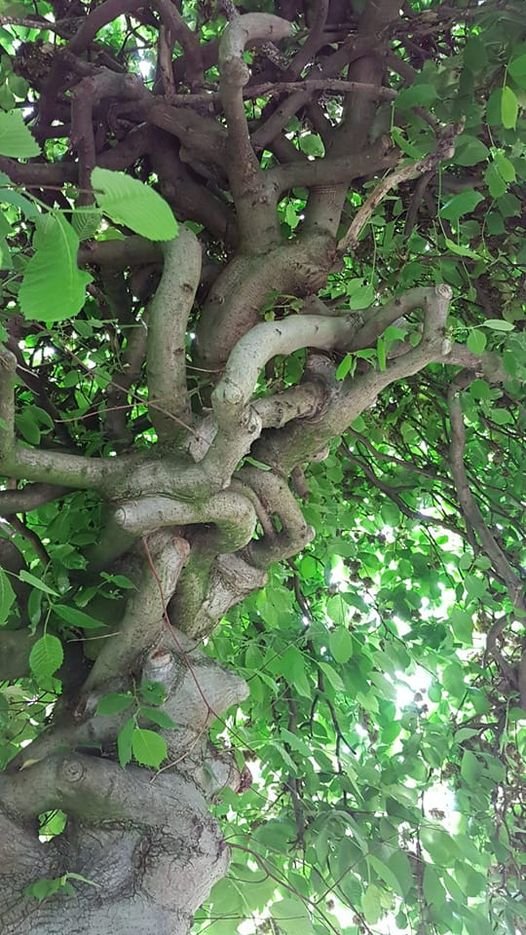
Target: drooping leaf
<point>15,138</point>
<point>127,201</point>
<point>53,288</point>
<point>340,644</point>
<point>509,108</point>
<point>7,596</point>
<point>46,656</point>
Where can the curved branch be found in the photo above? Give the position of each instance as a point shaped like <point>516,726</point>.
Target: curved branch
<point>168,400</point>
<point>278,500</point>
<point>298,442</point>
<point>145,612</point>
<point>261,344</point>
<point>255,201</point>
<point>232,513</point>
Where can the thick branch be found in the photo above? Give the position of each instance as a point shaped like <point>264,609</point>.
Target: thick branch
<point>29,498</point>
<point>278,501</point>
<point>145,613</point>
<point>255,202</point>
<point>299,442</point>
<point>169,404</point>
<point>261,344</point>
<point>232,514</point>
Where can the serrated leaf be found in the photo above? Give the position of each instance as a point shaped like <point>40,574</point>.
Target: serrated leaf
<point>85,222</point>
<point>509,108</point>
<point>46,656</point>
<point>127,201</point>
<point>16,139</point>
<point>149,748</point>
<point>114,703</point>
<point>477,341</point>
<point>77,618</point>
<point>36,582</point>
<point>7,596</point>
<point>124,742</point>
<point>341,645</point>
<point>157,716</point>
<point>53,287</point>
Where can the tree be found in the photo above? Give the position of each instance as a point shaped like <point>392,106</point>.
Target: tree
<point>261,401</point>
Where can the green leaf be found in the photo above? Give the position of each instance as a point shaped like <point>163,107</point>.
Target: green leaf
<point>417,95</point>
<point>46,656</point>
<point>114,703</point>
<point>149,748</point>
<point>77,618</point>
<point>461,250</point>
<point>312,144</point>
<point>340,645</point>
<point>434,892</point>
<point>477,341</point>
<point>124,742</point>
<point>36,582</point>
<point>153,692</point>
<point>363,297</point>
<point>371,906</point>
<point>53,288</point>
<point>401,867</point>
<point>509,108</point>
<point>505,167</point>
<point>344,367</point>
<point>517,68</point>
<point>497,324</point>
<point>385,873</point>
<point>292,917</point>
<point>496,184</point>
<point>127,201</point>
<point>85,222</point>
<point>332,676</point>
<point>470,150</point>
<point>470,768</point>
<point>157,717</point>
<point>7,596</point>
<point>15,138</point>
<point>463,203</point>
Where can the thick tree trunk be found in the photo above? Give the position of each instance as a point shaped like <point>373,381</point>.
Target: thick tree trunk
<point>140,849</point>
